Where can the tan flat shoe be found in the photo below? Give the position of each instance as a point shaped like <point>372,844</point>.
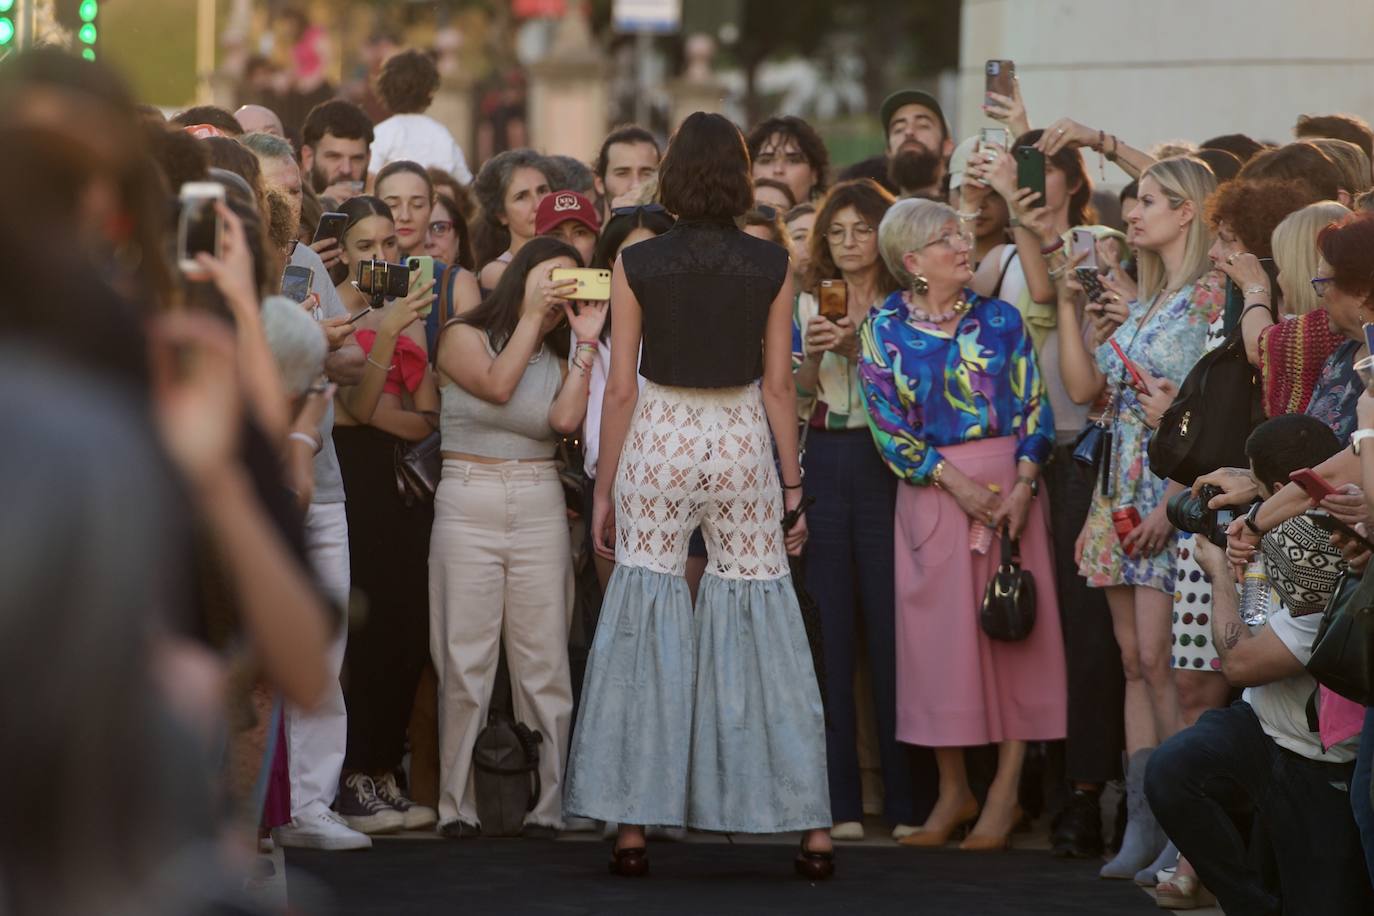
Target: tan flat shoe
<point>989,842</point>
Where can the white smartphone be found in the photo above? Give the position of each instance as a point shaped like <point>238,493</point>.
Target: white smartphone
<point>990,137</point>
<point>1082,241</point>
<point>198,228</point>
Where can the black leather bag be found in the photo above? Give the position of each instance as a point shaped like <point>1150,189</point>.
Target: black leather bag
<point>1219,404</point>
<point>1008,611</point>
<point>418,466</point>
<point>1343,653</point>
<point>505,776</point>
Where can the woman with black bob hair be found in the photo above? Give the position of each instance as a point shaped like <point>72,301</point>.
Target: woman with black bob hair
<point>500,558</point>
<point>627,226</point>
<point>709,718</point>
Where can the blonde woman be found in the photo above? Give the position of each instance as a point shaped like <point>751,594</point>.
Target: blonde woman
<point>1164,334</point>
<point>1290,353</point>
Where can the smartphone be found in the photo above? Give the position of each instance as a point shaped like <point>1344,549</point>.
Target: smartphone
<point>592,285</point>
<point>1030,171</point>
<point>1082,241</point>
<point>1091,281</point>
<point>1125,519</point>
<point>1137,376</point>
<point>378,278</point>
<point>421,272</point>
<point>990,137</point>
<point>1369,336</point>
<point>198,226</point>
<point>834,299</point>
<point>296,281</point>
<point>331,226</point>
<point>1332,525</point>
<point>999,75</point>
<point>1313,484</point>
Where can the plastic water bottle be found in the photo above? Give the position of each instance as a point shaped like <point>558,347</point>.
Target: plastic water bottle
<point>1254,594</point>
<point>980,535</point>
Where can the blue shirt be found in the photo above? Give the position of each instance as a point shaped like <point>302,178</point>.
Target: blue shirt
<point>926,389</point>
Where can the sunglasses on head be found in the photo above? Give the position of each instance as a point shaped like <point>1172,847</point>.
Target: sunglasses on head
<point>637,208</point>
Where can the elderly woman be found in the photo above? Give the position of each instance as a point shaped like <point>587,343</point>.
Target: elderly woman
<point>958,410</point>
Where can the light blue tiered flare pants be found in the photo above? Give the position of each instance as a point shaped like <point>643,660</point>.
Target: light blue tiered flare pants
<point>709,720</point>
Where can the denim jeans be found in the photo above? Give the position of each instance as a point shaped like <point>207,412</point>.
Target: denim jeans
<point>849,573</point>
<point>1360,789</point>
<point>1302,806</point>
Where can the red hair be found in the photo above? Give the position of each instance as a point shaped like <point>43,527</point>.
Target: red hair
<point>1348,246</point>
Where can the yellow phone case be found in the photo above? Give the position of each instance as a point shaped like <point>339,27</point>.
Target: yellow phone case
<point>592,285</point>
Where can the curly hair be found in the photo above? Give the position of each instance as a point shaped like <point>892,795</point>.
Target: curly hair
<point>871,201</point>
<point>1252,208</point>
<point>808,141</point>
<point>490,237</point>
<point>408,82</point>
<point>1348,247</point>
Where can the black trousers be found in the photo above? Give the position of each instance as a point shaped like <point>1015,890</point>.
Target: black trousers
<point>1302,810</point>
<point>388,642</point>
<point>1097,687</point>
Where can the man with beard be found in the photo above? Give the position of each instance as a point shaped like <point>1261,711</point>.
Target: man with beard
<point>918,142</point>
<point>336,142</point>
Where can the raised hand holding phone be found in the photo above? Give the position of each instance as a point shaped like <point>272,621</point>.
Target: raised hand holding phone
<point>1136,375</point>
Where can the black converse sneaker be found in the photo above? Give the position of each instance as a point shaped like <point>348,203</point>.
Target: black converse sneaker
<point>362,809</point>
<point>416,816</point>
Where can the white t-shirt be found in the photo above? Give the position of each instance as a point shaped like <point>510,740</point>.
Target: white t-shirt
<point>596,396</point>
<point>1282,706</point>
<point>421,139</point>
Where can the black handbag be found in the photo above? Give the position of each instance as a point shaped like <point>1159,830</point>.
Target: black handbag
<point>1343,653</point>
<point>1218,406</point>
<point>1008,611</point>
<point>418,467</point>
<point>505,779</point>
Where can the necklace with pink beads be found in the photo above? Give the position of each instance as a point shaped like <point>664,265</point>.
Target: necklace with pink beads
<point>918,314</point>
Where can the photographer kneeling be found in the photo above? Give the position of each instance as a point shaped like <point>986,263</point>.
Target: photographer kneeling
<point>1262,749</point>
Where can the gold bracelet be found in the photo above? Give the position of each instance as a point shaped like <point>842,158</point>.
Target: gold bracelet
<point>937,473</point>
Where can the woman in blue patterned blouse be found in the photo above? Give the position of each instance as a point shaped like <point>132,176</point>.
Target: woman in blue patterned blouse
<point>958,410</point>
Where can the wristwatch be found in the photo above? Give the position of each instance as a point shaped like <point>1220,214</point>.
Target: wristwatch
<point>1031,482</point>
<point>1250,519</point>
<point>1359,436</point>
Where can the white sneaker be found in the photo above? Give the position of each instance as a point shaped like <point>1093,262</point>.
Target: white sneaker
<point>902,831</point>
<point>847,830</point>
<point>320,830</point>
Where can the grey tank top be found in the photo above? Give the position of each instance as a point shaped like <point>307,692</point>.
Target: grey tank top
<point>517,429</point>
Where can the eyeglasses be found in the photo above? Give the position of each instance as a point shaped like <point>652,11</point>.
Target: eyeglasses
<point>637,208</point>
<point>951,240</point>
<point>861,232</point>
<point>1319,285</point>
<point>441,227</point>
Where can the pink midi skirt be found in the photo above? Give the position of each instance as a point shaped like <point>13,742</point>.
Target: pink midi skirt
<point>956,687</point>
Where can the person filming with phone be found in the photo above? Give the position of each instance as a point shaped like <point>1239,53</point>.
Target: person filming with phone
<point>1264,749</point>
<point>849,559</point>
<point>500,561</point>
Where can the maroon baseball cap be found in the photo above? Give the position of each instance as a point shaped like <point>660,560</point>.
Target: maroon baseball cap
<point>560,206</point>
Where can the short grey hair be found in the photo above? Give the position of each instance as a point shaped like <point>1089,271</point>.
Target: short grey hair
<point>297,343</point>
<point>268,146</point>
<point>910,225</point>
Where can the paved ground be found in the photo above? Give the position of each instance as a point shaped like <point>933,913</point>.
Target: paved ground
<point>272,889</point>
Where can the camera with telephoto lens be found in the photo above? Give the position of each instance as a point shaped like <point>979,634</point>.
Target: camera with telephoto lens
<point>1189,512</point>
<point>380,278</point>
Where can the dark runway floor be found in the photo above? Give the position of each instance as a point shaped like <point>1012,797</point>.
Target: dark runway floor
<point>399,877</point>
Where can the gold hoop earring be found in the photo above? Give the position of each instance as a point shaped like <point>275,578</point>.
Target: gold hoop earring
<point>919,285</point>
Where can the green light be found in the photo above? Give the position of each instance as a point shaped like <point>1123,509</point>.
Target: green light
<point>87,34</point>
<point>6,31</point>
<point>6,5</point>
<point>88,10</point>
<point>87,54</point>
